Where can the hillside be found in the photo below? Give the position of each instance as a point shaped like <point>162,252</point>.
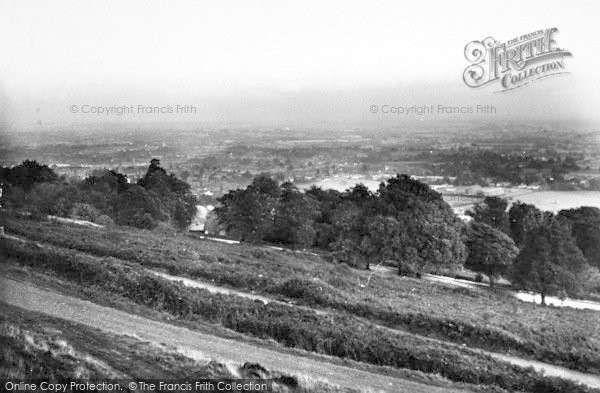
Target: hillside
<point>397,326</point>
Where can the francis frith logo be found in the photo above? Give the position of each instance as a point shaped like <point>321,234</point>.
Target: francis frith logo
<point>514,63</point>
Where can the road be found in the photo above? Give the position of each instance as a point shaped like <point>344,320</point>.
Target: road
<point>29,297</point>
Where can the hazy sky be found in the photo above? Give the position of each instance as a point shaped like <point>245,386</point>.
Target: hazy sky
<point>281,60</point>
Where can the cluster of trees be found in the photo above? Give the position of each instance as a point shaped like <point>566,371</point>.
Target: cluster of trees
<point>539,251</point>
<point>105,197</point>
<point>473,166</point>
<point>403,221</point>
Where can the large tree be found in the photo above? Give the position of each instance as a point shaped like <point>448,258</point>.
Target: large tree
<point>293,221</point>
<point>374,240</point>
<point>174,195</point>
<point>28,173</point>
<point>523,218</point>
<point>490,251</point>
<point>431,234</point>
<point>585,228</point>
<point>327,202</point>
<point>138,208</point>
<point>493,213</point>
<point>549,261</point>
<point>248,214</point>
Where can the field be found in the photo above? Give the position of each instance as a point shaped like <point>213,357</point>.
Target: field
<point>404,323</point>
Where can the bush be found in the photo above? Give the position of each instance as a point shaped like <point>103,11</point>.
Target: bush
<point>105,221</point>
<point>143,221</point>
<point>83,211</point>
<point>408,269</point>
<point>310,291</point>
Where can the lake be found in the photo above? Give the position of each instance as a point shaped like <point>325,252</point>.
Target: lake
<point>558,200</point>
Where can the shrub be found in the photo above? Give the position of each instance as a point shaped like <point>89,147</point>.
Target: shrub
<point>105,221</point>
<point>409,269</point>
<point>83,211</point>
<point>310,291</point>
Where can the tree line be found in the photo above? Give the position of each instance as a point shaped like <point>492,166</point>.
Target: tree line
<point>476,166</point>
<point>105,197</point>
<point>404,223</point>
<point>540,251</point>
<point>407,224</point>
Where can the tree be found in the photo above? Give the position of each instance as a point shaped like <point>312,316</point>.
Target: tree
<point>28,173</point>
<point>381,242</point>
<point>326,201</point>
<point>265,185</point>
<point>584,223</point>
<point>375,240</point>
<point>589,280</point>
<point>138,208</point>
<point>293,220</point>
<point>404,223</point>
<point>248,214</point>
<point>549,261</point>
<point>348,228</point>
<point>106,181</point>
<point>174,195</point>
<point>490,251</point>
<point>431,234</point>
<point>52,198</point>
<point>493,213</point>
<point>359,194</point>
<point>523,218</point>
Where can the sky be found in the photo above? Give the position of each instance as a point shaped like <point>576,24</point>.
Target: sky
<point>280,61</point>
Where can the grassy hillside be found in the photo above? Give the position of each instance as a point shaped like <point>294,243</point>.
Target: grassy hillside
<point>38,346</point>
<point>483,319</point>
<point>116,261</point>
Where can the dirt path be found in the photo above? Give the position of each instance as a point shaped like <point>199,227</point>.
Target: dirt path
<point>523,296</point>
<point>212,288</point>
<point>227,291</point>
<point>555,371</point>
<point>111,320</point>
